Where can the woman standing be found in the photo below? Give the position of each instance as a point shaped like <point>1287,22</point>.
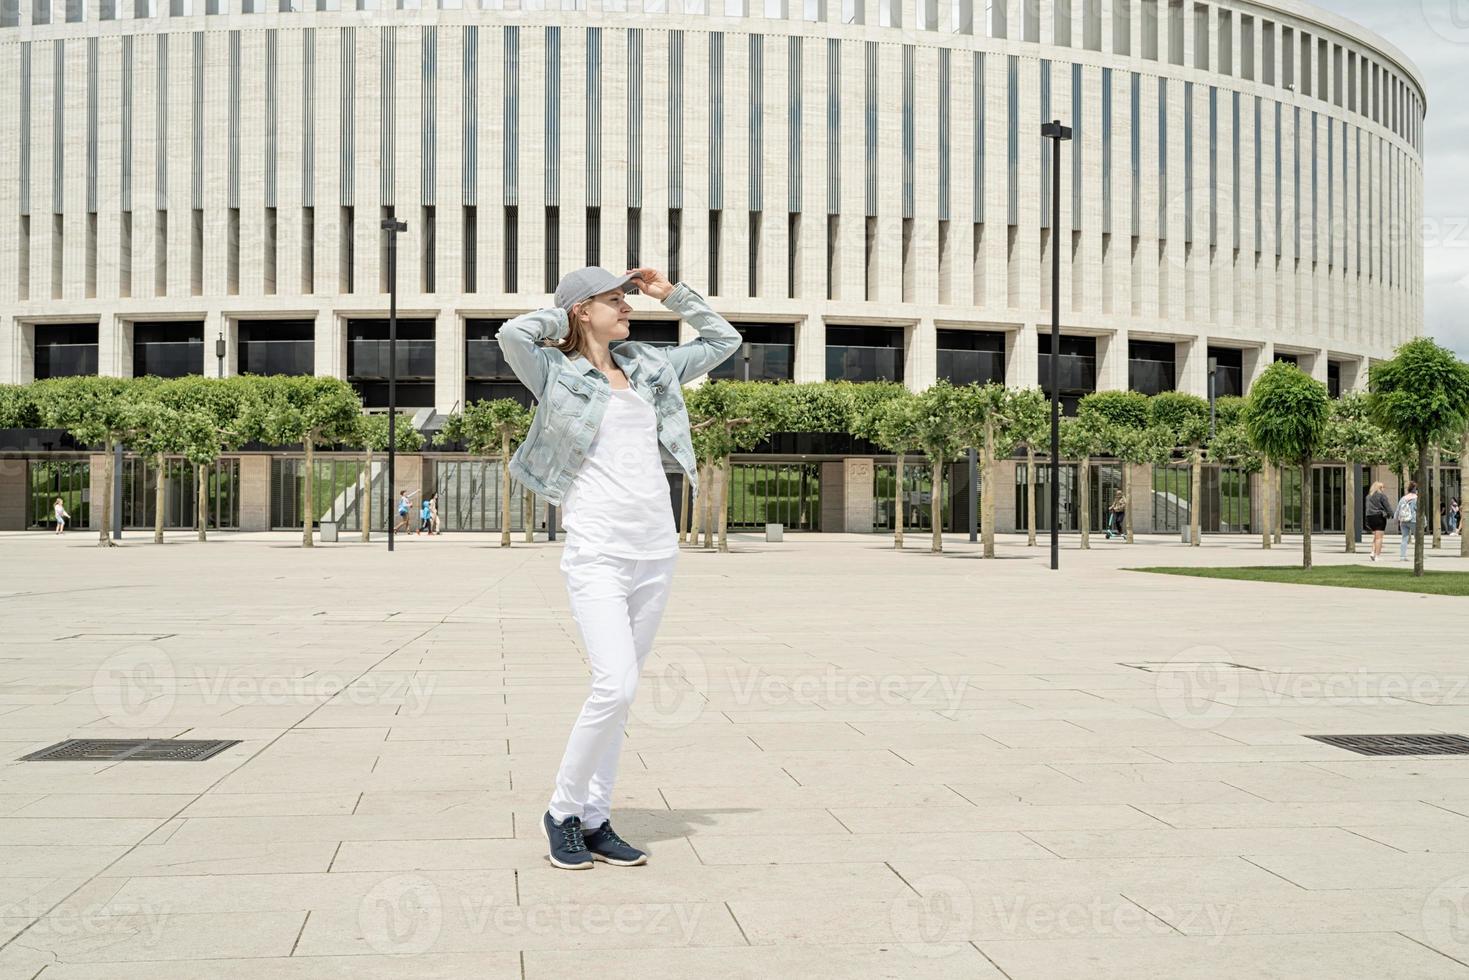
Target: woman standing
<point>608,425</point>
<point>1407,514</point>
<point>433,513</point>
<point>1379,509</point>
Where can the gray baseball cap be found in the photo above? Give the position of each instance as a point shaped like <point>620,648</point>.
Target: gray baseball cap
<point>583,284</point>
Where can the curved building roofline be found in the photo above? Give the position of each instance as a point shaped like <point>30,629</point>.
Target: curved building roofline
<point>1347,28</point>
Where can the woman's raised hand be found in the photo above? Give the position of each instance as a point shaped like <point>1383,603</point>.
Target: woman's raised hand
<point>651,282</point>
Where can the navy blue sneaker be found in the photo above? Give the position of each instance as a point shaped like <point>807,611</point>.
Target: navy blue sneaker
<point>605,845</point>
<point>568,847</point>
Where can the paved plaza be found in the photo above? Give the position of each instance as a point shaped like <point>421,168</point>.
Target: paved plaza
<point>846,762</point>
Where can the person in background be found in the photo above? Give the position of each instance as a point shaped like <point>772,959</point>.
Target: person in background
<point>433,514</point>
<point>1115,515</point>
<point>425,517</point>
<point>403,511</point>
<point>1378,510</point>
<point>1454,516</point>
<point>59,509</point>
<point>1407,514</point>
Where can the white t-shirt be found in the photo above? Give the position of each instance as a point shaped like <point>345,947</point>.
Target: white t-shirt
<point>619,502</point>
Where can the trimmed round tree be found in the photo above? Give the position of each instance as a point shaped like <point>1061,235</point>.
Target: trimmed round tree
<point>370,434</point>
<point>1286,420</point>
<point>1124,415</point>
<point>1421,396</point>
<point>892,423</point>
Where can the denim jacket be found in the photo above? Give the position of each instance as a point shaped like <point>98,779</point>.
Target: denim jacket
<point>573,395</point>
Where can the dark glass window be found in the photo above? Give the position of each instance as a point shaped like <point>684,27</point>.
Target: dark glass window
<point>368,361</point>
<point>168,349</point>
<point>1151,366</point>
<point>1229,372</point>
<point>277,347</point>
<point>65,350</point>
<point>1077,368</point>
<point>855,353</point>
<point>771,348</point>
<point>971,356</point>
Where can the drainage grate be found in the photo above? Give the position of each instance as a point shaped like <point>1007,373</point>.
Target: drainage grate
<point>131,750</point>
<point>1398,744</point>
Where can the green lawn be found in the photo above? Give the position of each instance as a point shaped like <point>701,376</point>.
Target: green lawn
<point>1389,579</point>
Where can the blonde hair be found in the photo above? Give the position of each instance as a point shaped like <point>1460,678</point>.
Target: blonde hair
<point>1376,487</point>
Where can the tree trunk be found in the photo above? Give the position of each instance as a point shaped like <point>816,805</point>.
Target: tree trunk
<point>1277,518</point>
<point>1418,531</point>
<point>987,503</point>
<point>898,504</point>
<point>936,505</point>
<point>1265,510</point>
<point>160,497</point>
<point>710,503</point>
<point>1084,519</point>
<point>683,511</point>
<point>366,508</point>
<point>724,480</point>
<point>1306,513</point>
<point>505,489</point>
<point>1196,495</point>
<point>308,509</point>
<point>1029,488</point>
<point>1127,500</point>
<point>1352,520</point>
<point>203,508</point>
<point>1436,475</point>
<point>104,536</point>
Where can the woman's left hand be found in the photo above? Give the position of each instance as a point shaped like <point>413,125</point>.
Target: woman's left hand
<point>651,282</point>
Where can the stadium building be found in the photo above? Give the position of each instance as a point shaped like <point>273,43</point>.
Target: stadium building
<point>198,187</point>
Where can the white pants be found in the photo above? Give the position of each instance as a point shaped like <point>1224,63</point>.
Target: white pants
<point>617,604</point>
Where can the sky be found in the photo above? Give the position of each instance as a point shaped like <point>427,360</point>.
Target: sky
<point>1434,34</point>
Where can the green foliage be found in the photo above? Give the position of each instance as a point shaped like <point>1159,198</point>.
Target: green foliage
<point>298,410</point>
<point>1287,415</point>
<point>1185,417</point>
<point>941,424</point>
<point>483,426</point>
<point>371,433</point>
<point>1421,395</point>
<point>1126,409</point>
<point>1230,410</point>
<point>1084,436</point>
<point>95,410</point>
<point>18,408</point>
<point>1351,434</point>
<point>1013,416</point>
<point>891,423</point>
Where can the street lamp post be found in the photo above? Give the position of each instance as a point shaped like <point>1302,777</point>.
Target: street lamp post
<point>745,350</point>
<point>392,226</point>
<point>1213,370</point>
<point>1057,134</point>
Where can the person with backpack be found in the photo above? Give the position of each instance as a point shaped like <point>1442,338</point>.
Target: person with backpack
<point>1407,515</point>
<point>1379,509</point>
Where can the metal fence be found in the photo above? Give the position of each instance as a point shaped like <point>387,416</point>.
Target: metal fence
<point>69,479</point>
<point>139,481</point>
<point>470,495</point>
<point>775,493</point>
<point>339,491</point>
